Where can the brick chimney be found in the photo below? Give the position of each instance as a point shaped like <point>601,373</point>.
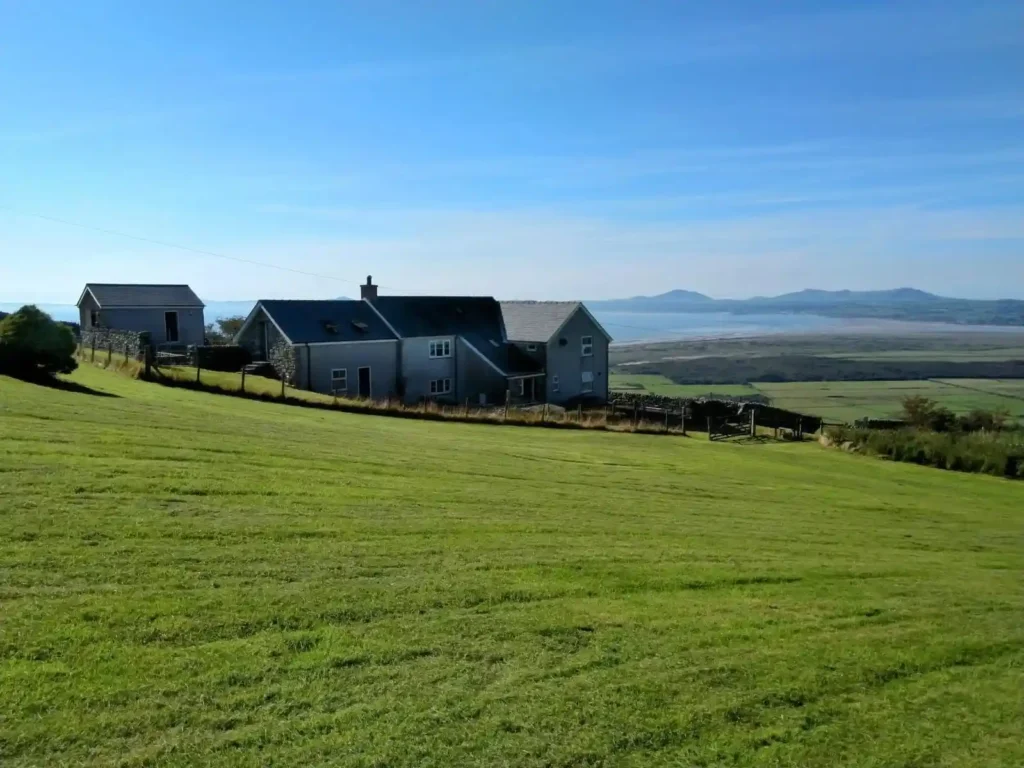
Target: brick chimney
<point>368,292</point>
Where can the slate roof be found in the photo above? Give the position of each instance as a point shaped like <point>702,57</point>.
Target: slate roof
<point>535,320</point>
<point>114,295</point>
<point>477,319</point>
<point>315,322</point>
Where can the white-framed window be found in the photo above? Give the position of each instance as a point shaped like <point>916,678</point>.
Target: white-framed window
<point>520,387</point>
<point>555,386</point>
<point>587,346</point>
<point>587,381</point>
<point>339,380</point>
<point>441,348</point>
<point>440,386</point>
<point>531,347</point>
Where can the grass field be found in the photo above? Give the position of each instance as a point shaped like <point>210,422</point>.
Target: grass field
<point>850,400</point>
<point>662,385</point>
<point>954,355</point>
<point>187,579</point>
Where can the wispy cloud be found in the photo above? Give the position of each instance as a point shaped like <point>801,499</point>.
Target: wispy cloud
<point>903,30</point>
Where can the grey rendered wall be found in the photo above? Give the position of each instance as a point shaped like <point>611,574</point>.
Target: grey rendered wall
<point>418,369</point>
<point>381,357</point>
<point>252,337</point>
<point>191,328</point>
<point>85,311</point>
<point>477,378</point>
<point>568,364</point>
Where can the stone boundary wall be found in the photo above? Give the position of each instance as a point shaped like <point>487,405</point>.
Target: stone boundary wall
<point>132,343</point>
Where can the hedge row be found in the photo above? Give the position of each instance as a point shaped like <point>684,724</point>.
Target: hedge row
<point>991,453</point>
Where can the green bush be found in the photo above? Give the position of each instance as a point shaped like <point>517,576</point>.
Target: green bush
<point>992,453</point>
<point>33,344</point>
<point>222,358</point>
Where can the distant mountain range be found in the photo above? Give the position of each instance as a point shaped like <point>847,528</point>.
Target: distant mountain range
<point>897,304</point>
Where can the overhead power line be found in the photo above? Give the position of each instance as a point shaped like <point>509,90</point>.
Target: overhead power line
<point>189,249</point>
<point>253,262</point>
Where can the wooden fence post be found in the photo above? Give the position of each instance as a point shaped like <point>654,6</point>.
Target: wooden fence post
<point>579,413</point>
<point>545,416</point>
<point>110,351</point>
<point>753,423</point>
<point>243,381</point>
<point>635,407</point>
<point>465,409</point>
<point>666,418</point>
<point>709,427</point>
<point>282,385</point>
<point>682,417</point>
<point>126,350</point>
<point>93,358</point>
<point>508,397</point>
<point>148,357</point>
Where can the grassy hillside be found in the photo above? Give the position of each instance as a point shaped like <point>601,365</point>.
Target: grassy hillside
<point>192,579</point>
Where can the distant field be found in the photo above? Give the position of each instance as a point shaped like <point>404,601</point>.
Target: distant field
<point>850,400</point>
<point>192,579</point>
<point>661,385</point>
<point>1013,388</point>
<point>952,355</point>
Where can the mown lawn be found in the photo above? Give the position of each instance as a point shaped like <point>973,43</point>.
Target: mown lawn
<point>187,578</point>
<point>851,400</point>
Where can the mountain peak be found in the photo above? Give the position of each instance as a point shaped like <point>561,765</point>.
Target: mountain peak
<point>677,294</point>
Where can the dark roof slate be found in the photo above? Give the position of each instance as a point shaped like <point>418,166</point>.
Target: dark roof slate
<point>535,320</point>
<point>114,295</point>
<point>477,319</point>
<point>317,322</point>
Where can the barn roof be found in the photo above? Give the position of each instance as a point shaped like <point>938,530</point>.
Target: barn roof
<point>136,296</point>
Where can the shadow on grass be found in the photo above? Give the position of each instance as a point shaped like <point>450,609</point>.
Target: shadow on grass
<point>53,382</point>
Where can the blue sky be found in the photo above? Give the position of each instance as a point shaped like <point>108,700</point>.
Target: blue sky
<point>535,150</point>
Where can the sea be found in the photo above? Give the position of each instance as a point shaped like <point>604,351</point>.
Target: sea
<point>639,327</point>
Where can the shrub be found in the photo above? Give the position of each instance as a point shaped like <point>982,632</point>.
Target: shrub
<point>32,343</point>
<point>980,420</point>
<point>992,453</point>
<point>226,358</point>
<point>925,413</point>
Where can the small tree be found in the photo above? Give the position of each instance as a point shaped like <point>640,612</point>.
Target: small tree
<point>924,413</point>
<point>230,326</point>
<point>32,343</point>
<point>213,335</point>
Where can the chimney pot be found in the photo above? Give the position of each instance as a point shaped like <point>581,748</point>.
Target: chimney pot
<point>368,292</point>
